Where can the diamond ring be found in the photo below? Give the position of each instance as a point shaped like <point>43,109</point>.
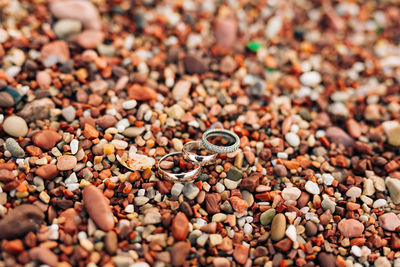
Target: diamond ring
<point>228,141</point>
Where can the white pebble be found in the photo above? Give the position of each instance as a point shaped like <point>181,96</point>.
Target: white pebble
<point>311,78</point>
<point>293,139</point>
<point>291,232</point>
<point>74,146</point>
<point>312,188</point>
<point>379,203</point>
<point>176,189</point>
<point>130,104</point>
<point>354,192</point>
<point>328,178</point>
<point>129,208</point>
<point>356,251</point>
<point>291,193</point>
<point>247,229</point>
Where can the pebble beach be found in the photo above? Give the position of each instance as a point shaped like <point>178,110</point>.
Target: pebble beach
<point>94,93</point>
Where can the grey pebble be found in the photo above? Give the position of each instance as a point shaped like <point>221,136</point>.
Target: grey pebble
<point>14,148</point>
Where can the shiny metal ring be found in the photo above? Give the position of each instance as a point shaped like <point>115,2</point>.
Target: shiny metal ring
<point>203,160</point>
<point>220,149</point>
<point>178,177</point>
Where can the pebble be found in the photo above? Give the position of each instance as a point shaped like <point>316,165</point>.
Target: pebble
<point>141,200</point>
<point>292,139</point>
<point>180,226</point>
<point>311,228</point>
<point>46,139</point>
<point>15,126</point>
<point>368,187</point>
<point>6,100</point>
<point>328,178</point>
<point>14,148</point>
<point>181,89</point>
<point>234,174</point>
<point>280,170</point>
<point>74,145</point>
<point>69,113</point>
<point>311,78</point>
<point>379,203</point>
<point>354,192</point>
<point>394,136</point>
<point>221,262</point>
<point>66,27</point>
<point>98,208</point>
<point>382,262</point>
<point>179,251</point>
<point>152,218</point>
<point>248,229</point>
<point>47,171</point>
<point>326,259</point>
<point>226,32</point>
<point>393,186</point>
<point>44,79</point>
<point>241,254</point>
<point>133,131</point>
<point>66,162</point>
<point>291,193</point>
<point>54,52</point>
<point>291,232</point>
<point>176,189</point>
<point>312,188</point>
<point>176,112</point>
<point>389,221</point>
<point>351,228</point>
<point>142,93</point>
<point>83,11</point>
<point>278,227</point>
<point>219,217</point>
<point>29,218</point>
<point>215,240</point>
<point>37,110</point>
<point>353,127</point>
<point>44,255</point>
<point>98,87</point>
<point>194,65</point>
<point>338,136</point>
<point>129,104</point>
<point>90,38</point>
<point>267,216</point>
<point>190,191</point>
<point>328,204</point>
<point>227,65</point>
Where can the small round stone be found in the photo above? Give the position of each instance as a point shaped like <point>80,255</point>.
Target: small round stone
<point>15,126</point>
<point>312,188</point>
<point>278,227</point>
<point>292,139</point>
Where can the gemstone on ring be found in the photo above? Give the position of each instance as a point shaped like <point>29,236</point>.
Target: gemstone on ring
<point>231,139</point>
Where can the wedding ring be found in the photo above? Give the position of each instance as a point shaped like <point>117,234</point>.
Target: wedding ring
<point>230,142</point>
<point>178,177</point>
<point>198,145</point>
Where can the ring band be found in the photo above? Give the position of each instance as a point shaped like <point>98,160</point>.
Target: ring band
<point>178,177</point>
<point>202,160</point>
<point>220,149</point>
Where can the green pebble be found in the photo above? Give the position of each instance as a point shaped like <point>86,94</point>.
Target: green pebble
<point>267,216</point>
<point>234,174</point>
<point>254,46</point>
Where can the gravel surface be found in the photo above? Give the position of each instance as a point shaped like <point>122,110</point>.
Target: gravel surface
<point>94,93</point>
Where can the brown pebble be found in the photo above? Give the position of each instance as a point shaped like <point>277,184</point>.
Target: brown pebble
<point>226,32</point>
<point>44,79</point>
<point>280,170</point>
<point>142,93</point>
<point>250,183</point>
<point>351,228</point>
<point>106,121</point>
<point>303,200</point>
<point>241,254</point>
<point>111,242</point>
<point>326,259</point>
<point>98,208</point>
<point>180,226</point>
<point>66,162</point>
<point>90,38</point>
<point>212,203</point>
<point>221,262</point>
<point>46,139</point>
<point>194,65</point>
<point>28,216</point>
<point>6,100</point>
<point>54,52</point>
<point>326,217</point>
<point>6,176</point>
<point>353,127</point>
<point>186,208</point>
<point>283,245</point>
<point>311,228</point>
<point>71,220</point>
<point>338,136</point>
<point>48,171</point>
<point>44,255</point>
<point>179,252</point>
